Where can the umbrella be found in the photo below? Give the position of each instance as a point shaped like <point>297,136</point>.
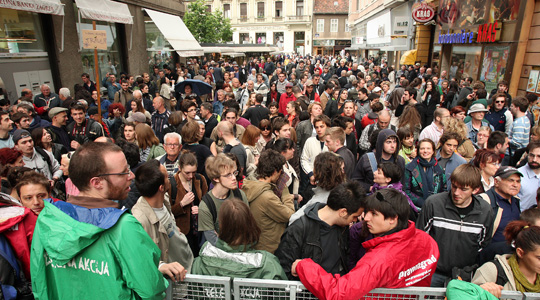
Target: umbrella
<point>199,87</point>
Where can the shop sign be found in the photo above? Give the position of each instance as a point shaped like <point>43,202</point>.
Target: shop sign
<point>422,12</point>
<point>486,33</point>
<point>94,39</point>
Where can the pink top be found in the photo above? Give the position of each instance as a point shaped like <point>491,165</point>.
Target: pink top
<point>71,189</point>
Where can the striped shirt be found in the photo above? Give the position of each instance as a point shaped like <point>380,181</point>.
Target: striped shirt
<point>519,134</point>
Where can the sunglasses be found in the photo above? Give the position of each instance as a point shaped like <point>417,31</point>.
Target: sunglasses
<point>265,128</point>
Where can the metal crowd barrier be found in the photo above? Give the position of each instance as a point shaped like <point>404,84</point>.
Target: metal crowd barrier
<point>214,287</point>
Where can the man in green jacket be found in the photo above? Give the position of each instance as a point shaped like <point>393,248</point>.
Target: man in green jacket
<point>86,248</point>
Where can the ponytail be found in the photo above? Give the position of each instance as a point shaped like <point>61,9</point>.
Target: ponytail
<point>520,234</point>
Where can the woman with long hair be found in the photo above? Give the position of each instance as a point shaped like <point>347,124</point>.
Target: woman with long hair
<point>42,138</point>
<point>273,95</point>
<point>149,145</point>
<point>411,118</point>
<point>423,176</point>
<point>9,159</point>
<point>293,113</point>
<point>429,100</point>
<point>449,94</point>
<point>191,186</point>
<point>329,172</point>
<point>190,140</point>
<point>137,106</point>
<point>233,255</point>
<point>249,140</point>
<point>521,269</point>
<point>466,148</point>
<point>266,134</point>
<point>406,140</point>
<point>286,147</point>
<point>334,108</point>
<point>488,162</point>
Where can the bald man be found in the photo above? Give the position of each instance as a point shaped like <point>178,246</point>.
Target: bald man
<point>383,122</point>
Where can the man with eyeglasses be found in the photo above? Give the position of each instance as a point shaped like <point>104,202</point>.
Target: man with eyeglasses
<point>222,172</point>
<point>116,253</point>
<point>531,177</point>
<point>498,115</point>
<point>506,208</point>
<point>459,221</point>
<point>173,146</point>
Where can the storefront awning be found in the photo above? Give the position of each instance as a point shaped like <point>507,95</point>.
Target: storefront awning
<point>234,54</point>
<point>408,58</point>
<point>394,48</point>
<point>52,7</point>
<point>256,49</point>
<point>105,10</point>
<point>176,32</point>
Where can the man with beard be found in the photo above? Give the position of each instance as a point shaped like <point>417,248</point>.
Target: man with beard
<point>531,177</point>
<point>121,255</point>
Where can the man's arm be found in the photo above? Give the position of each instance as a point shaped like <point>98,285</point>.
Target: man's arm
<point>290,247</point>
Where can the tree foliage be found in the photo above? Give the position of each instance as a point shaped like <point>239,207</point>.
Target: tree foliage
<point>207,27</point>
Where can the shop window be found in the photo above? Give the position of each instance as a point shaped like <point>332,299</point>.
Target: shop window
<point>159,50</point>
<point>227,11</point>
<point>465,62</point>
<point>320,25</point>
<point>260,9</point>
<point>494,65</point>
<point>20,32</point>
<point>261,37</point>
<point>299,7</point>
<point>244,38</point>
<point>334,25</point>
<point>279,9</point>
<point>110,61</point>
<point>243,10</point>
<point>278,39</point>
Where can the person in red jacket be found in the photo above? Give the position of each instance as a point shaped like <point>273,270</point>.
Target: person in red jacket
<point>398,256</point>
<point>285,98</point>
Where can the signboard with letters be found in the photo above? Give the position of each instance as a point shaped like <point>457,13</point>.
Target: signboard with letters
<point>422,12</point>
<point>94,39</point>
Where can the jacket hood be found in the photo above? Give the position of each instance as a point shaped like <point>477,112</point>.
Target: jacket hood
<point>254,188</point>
<point>312,211</point>
<point>217,256</point>
<point>383,136</point>
<point>70,229</point>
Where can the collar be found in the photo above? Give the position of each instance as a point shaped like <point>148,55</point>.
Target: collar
<point>91,202</point>
<point>529,172</point>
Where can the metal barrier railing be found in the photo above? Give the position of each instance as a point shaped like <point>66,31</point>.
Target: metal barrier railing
<point>214,287</point>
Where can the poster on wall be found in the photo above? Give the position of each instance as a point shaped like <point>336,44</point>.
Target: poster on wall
<point>533,81</point>
<point>494,65</point>
<point>463,13</point>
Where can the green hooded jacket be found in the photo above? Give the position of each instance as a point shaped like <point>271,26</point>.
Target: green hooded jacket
<point>224,260</point>
<point>100,253</point>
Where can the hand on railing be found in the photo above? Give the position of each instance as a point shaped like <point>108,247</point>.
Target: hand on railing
<point>174,270</point>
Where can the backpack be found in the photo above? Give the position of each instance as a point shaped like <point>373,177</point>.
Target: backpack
<point>212,206</point>
<point>502,279</point>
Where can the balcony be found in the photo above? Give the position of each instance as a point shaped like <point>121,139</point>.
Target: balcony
<point>278,19</point>
<point>260,19</point>
<point>298,19</point>
<point>243,19</point>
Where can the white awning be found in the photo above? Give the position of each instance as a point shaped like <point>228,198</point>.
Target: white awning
<point>104,10</point>
<point>176,32</point>
<point>234,54</point>
<point>53,7</point>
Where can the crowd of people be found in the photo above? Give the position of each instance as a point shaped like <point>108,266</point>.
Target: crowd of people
<point>341,172</point>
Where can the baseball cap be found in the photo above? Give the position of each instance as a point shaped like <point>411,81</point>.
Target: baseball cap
<point>56,110</point>
<point>137,117</point>
<point>377,89</point>
<point>505,172</point>
<point>20,134</point>
<point>418,64</point>
<point>289,84</point>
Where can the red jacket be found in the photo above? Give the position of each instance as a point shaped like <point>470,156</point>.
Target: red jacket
<point>17,225</point>
<point>283,102</point>
<point>405,258</point>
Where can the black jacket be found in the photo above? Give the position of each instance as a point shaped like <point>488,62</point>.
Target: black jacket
<point>302,239</point>
<point>459,239</point>
<point>209,125</point>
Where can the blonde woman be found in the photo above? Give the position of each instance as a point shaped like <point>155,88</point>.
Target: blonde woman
<point>466,148</point>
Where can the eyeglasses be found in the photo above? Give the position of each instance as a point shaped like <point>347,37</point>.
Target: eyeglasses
<point>109,174</point>
<point>172,145</point>
<point>265,128</point>
<point>233,174</point>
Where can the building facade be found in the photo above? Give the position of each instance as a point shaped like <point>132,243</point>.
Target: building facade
<point>381,27</point>
<point>44,44</point>
<point>331,32</point>
<point>286,24</point>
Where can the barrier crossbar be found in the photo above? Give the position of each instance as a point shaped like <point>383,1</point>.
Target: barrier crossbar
<point>200,287</point>
<point>226,288</point>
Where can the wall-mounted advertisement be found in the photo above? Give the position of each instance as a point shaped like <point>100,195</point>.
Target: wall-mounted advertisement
<point>494,65</point>
<point>455,14</point>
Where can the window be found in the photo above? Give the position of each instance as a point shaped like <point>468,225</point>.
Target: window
<point>260,9</point>
<point>279,9</point>
<point>21,32</point>
<point>209,8</point>
<point>227,11</point>
<point>243,10</point>
<point>244,38</point>
<point>299,7</point>
<point>347,29</point>
<point>334,25</point>
<point>320,25</point>
<point>261,37</point>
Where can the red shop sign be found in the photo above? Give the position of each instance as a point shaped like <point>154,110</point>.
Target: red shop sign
<point>422,12</point>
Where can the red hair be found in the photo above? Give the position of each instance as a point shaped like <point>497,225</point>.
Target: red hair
<point>9,155</point>
<point>115,106</point>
